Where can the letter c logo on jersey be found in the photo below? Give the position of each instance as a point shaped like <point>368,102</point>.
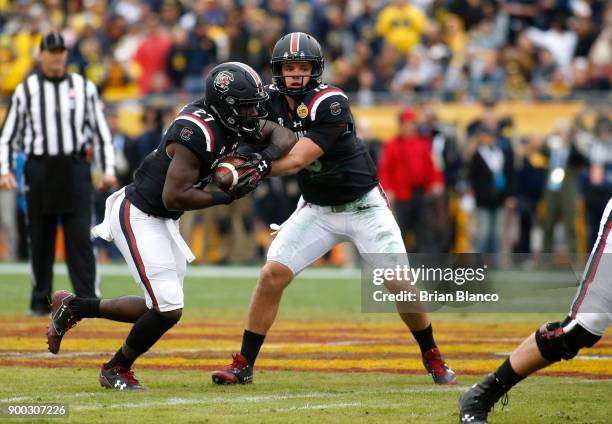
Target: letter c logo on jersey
<point>335,108</point>
<point>186,134</point>
<point>223,80</point>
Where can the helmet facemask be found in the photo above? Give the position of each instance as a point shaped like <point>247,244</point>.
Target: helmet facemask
<point>246,115</point>
<point>281,84</point>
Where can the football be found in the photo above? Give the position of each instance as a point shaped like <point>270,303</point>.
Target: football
<point>225,175</point>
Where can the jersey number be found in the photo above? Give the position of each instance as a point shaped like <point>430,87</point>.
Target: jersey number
<point>315,166</point>
<point>201,113</point>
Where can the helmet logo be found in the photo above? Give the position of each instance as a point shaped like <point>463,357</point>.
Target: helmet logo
<point>223,81</point>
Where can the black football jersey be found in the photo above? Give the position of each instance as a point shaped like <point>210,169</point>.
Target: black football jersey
<point>195,128</point>
<point>345,171</point>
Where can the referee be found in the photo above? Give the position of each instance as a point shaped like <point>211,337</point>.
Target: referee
<point>56,117</point>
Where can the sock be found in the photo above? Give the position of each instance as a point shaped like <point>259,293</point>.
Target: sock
<point>85,308</point>
<point>147,330</point>
<point>425,339</point>
<point>120,360</point>
<point>507,376</point>
<point>251,343</point>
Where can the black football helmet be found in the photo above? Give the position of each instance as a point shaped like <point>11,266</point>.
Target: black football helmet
<point>231,85</point>
<point>297,47</point>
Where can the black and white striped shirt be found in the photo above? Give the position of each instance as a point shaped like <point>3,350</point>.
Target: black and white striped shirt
<point>55,117</point>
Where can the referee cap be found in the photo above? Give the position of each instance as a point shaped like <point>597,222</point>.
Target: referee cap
<point>52,41</point>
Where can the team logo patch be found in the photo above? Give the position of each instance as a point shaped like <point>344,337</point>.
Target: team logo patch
<point>335,108</point>
<point>302,111</point>
<point>223,80</point>
<point>186,134</point>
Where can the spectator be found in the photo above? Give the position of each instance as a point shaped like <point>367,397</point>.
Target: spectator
<point>491,176</point>
<point>599,188</point>
<point>201,55</point>
<point>176,65</point>
<point>559,40</point>
<point>152,55</point>
<point>531,180</point>
<point>401,24</point>
<point>565,163</point>
<point>408,174</point>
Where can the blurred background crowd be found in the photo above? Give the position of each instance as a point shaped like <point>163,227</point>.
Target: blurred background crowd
<point>485,183</point>
<point>456,49</point>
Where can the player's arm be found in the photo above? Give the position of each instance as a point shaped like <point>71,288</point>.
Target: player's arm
<point>280,140</point>
<point>179,192</point>
<point>330,119</point>
<point>303,154</point>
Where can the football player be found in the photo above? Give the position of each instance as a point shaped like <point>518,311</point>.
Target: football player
<point>589,316</point>
<point>341,200</point>
<point>142,218</point>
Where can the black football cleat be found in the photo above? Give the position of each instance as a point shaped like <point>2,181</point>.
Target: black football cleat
<point>62,319</point>
<point>477,402</point>
<point>238,372</point>
<point>119,378</point>
<point>435,365</point>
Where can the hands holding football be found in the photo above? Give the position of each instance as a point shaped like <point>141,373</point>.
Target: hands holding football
<point>240,174</point>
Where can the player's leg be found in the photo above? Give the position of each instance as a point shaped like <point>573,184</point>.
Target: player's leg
<point>67,309</point>
<point>376,234</point>
<point>588,320</point>
<point>303,239</point>
<point>551,343</point>
<point>159,269</point>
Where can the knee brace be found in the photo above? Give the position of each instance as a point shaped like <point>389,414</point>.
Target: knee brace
<point>555,343</point>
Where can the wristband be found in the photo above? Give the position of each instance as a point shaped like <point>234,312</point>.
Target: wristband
<point>271,153</point>
<point>221,197</point>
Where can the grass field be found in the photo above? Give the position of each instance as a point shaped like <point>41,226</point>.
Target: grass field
<point>324,361</point>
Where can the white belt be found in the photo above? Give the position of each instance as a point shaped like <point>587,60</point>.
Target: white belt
<point>103,230</point>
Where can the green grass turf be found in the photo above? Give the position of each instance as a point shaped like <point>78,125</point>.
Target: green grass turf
<point>287,397</point>
<point>213,297</point>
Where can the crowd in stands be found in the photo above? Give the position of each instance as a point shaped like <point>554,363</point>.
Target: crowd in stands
<point>485,190</point>
<point>458,49</point>
<point>477,189</point>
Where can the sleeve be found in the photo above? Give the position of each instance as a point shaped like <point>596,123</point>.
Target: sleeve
<point>11,128</point>
<point>102,138</point>
<point>194,133</point>
<point>330,117</point>
<point>382,23</point>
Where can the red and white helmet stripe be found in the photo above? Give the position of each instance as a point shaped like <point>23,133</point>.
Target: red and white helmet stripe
<point>250,71</point>
<point>294,45</point>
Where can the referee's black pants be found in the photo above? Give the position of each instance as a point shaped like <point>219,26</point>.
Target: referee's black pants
<point>42,230</point>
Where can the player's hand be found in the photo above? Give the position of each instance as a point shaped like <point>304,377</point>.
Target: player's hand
<point>261,164</point>
<point>246,183</point>
<point>107,182</point>
<point>8,182</point>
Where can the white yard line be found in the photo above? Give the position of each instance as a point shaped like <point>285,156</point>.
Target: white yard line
<point>259,398</point>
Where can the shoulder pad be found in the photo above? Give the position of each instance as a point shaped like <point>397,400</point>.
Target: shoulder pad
<point>323,95</point>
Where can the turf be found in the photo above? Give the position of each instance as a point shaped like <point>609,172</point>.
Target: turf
<point>321,328</point>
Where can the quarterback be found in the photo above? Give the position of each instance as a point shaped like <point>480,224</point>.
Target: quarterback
<point>341,200</point>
